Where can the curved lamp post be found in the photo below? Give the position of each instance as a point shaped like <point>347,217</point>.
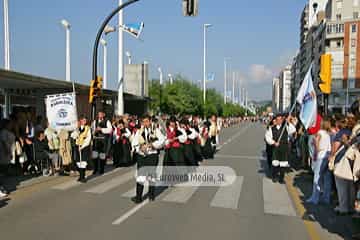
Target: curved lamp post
<point>96,46</point>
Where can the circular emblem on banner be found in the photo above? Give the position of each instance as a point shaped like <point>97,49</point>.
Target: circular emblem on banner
<point>62,113</point>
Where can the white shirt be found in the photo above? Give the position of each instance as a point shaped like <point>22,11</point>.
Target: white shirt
<point>269,136</point>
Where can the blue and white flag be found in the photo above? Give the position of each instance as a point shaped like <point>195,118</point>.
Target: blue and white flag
<point>307,99</point>
<point>210,77</point>
<point>228,94</point>
<point>134,29</point>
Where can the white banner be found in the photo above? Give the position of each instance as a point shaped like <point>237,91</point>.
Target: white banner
<point>307,99</point>
<point>61,111</point>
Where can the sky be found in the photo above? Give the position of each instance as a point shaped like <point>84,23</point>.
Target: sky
<point>259,37</point>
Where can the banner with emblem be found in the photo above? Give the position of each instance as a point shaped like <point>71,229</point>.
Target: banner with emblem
<point>307,99</point>
<point>61,111</point>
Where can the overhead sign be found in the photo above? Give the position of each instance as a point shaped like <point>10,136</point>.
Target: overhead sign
<point>61,111</point>
<point>210,77</point>
<point>133,29</point>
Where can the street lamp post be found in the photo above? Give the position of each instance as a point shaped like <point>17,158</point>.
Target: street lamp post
<point>170,78</point>
<point>104,44</point>
<point>120,64</point>
<point>6,36</point>
<point>225,79</point>
<point>204,74</point>
<point>233,87</point>
<point>128,54</point>
<point>95,55</point>
<point>66,25</point>
<point>161,83</point>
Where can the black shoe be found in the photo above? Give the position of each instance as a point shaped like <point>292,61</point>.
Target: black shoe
<point>152,193</point>
<point>281,181</point>
<point>83,180</point>
<point>136,200</point>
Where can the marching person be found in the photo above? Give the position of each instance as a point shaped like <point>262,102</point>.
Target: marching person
<point>206,147</point>
<point>214,132</point>
<point>147,142</point>
<point>174,155</point>
<point>189,152</point>
<point>102,130</point>
<point>278,137</point>
<point>83,141</point>
<point>197,141</point>
<point>122,147</point>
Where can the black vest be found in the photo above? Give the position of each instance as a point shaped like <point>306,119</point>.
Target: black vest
<point>277,132</point>
<point>102,124</point>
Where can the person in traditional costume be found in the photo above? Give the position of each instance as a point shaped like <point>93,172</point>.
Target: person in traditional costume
<point>278,137</point>
<point>197,141</point>
<point>174,154</point>
<point>188,147</point>
<point>102,130</point>
<point>122,146</point>
<point>214,132</point>
<point>147,142</point>
<point>83,143</point>
<point>206,146</point>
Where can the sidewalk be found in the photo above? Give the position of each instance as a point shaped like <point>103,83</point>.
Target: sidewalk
<point>325,222</point>
<point>13,183</point>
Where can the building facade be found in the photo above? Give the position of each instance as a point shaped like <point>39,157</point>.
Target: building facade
<point>285,89</point>
<point>276,95</point>
<point>333,29</point>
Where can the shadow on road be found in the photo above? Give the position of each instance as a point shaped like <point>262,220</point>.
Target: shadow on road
<point>323,214</point>
<point>4,202</point>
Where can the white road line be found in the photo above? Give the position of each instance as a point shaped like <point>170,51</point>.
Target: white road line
<point>228,196</point>
<point>180,194</point>
<point>130,213</point>
<point>234,136</point>
<point>73,183</point>
<point>67,185</point>
<point>276,199</point>
<point>111,184</point>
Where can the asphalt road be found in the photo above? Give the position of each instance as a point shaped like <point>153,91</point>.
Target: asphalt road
<point>252,208</point>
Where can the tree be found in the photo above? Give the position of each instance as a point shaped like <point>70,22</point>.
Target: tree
<point>183,97</point>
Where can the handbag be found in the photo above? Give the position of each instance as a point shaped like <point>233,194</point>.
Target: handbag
<point>342,169</point>
<point>337,157</point>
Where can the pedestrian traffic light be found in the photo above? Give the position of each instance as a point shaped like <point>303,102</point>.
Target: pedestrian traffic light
<point>93,91</point>
<point>325,74</point>
<point>190,8</point>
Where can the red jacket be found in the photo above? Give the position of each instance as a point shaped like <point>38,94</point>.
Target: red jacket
<point>315,129</point>
<point>171,135</point>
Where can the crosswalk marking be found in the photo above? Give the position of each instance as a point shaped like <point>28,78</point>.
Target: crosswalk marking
<point>276,199</point>
<point>111,184</point>
<point>74,183</point>
<point>180,194</point>
<point>67,185</point>
<point>228,196</point>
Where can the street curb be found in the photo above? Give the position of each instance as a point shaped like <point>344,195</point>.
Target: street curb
<point>309,225</point>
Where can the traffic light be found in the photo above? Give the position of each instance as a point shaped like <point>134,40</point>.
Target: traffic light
<point>99,83</point>
<point>93,91</point>
<point>190,8</point>
<point>325,74</point>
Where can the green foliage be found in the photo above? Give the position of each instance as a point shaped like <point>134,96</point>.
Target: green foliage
<point>183,97</point>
